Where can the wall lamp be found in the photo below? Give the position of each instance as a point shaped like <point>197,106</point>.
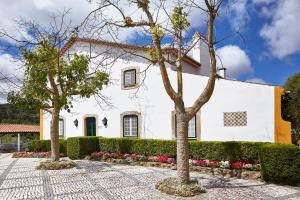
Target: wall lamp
<point>76,122</point>
<point>104,121</point>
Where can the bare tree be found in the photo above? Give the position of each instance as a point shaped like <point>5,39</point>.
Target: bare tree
<point>174,28</point>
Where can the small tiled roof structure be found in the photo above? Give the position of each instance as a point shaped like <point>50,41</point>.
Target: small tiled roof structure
<point>19,128</point>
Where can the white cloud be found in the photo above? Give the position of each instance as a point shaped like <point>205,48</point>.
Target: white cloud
<point>235,60</point>
<point>282,33</point>
<point>256,80</point>
<point>9,66</point>
<point>40,10</point>
<point>263,1</point>
<point>238,15</point>
<point>11,73</point>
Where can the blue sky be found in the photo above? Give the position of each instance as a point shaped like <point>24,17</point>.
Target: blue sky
<point>269,53</point>
<point>269,63</point>
<point>267,48</point>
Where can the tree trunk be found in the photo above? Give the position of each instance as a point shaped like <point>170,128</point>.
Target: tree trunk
<point>183,170</point>
<point>54,135</point>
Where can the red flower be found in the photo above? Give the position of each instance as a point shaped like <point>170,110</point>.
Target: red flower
<point>237,165</point>
<point>213,164</point>
<point>119,156</point>
<point>200,162</point>
<point>162,159</point>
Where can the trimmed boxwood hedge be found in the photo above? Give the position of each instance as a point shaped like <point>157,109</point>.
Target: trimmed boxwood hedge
<point>143,146</point>
<point>78,147</point>
<point>280,163</point>
<point>242,151</point>
<point>234,151</point>
<point>45,146</point>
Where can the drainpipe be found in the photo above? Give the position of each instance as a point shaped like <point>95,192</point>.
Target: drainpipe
<point>19,143</point>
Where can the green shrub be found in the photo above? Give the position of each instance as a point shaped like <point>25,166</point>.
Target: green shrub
<point>143,146</point>
<point>78,147</point>
<point>45,146</point>
<point>82,146</point>
<point>280,163</point>
<point>63,146</point>
<point>243,151</point>
<point>233,151</point>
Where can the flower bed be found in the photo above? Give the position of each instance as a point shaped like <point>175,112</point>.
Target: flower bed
<point>224,168</point>
<point>103,156</point>
<point>34,155</point>
<point>225,165</point>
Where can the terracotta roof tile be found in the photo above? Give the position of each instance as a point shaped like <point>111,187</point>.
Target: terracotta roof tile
<point>19,128</point>
<point>72,40</point>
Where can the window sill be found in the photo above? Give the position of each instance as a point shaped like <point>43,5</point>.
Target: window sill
<point>130,87</point>
<point>130,137</point>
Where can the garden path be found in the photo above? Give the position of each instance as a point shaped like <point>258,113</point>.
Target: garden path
<point>99,180</point>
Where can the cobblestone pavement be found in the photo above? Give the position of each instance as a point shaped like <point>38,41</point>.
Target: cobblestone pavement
<point>98,180</point>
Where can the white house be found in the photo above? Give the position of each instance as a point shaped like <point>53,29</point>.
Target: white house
<point>238,111</point>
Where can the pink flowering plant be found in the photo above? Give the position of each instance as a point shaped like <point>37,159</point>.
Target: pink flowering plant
<point>169,160</point>
<point>132,157</point>
<point>225,164</point>
<point>237,165</point>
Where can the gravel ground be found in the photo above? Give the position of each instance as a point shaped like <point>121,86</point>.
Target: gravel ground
<point>99,180</point>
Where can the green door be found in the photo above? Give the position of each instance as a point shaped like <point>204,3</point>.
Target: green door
<point>90,125</point>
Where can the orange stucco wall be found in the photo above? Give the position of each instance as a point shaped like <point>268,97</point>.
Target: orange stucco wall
<point>282,128</point>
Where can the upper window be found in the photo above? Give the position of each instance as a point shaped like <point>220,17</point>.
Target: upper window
<point>129,78</point>
<point>235,119</point>
<point>191,128</point>
<point>61,128</point>
<point>130,126</point>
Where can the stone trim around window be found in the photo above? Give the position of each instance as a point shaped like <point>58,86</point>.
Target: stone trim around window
<point>198,126</point>
<point>64,130</point>
<point>137,78</point>
<point>138,114</point>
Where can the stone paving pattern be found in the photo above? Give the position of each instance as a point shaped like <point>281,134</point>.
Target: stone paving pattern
<point>98,180</point>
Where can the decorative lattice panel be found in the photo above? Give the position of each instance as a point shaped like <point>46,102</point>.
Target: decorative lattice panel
<point>235,118</point>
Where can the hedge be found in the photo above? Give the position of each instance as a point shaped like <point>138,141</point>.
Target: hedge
<point>78,147</point>
<point>280,164</point>
<point>242,151</point>
<point>233,151</point>
<point>143,146</point>
<point>45,146</point>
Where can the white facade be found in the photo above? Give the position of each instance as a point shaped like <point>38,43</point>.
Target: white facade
<point>154,108</point>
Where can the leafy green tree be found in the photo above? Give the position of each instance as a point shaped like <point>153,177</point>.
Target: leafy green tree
<point>51,82</point>
<point>291,104</point>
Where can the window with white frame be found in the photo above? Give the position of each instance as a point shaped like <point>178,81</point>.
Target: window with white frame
<point>129,78</point>
<point>130,126</point>
<point>61,128</point>
<point>192,129</point>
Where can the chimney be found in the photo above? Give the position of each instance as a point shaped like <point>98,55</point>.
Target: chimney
<point>222,72</point>
<point>201,54</point>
